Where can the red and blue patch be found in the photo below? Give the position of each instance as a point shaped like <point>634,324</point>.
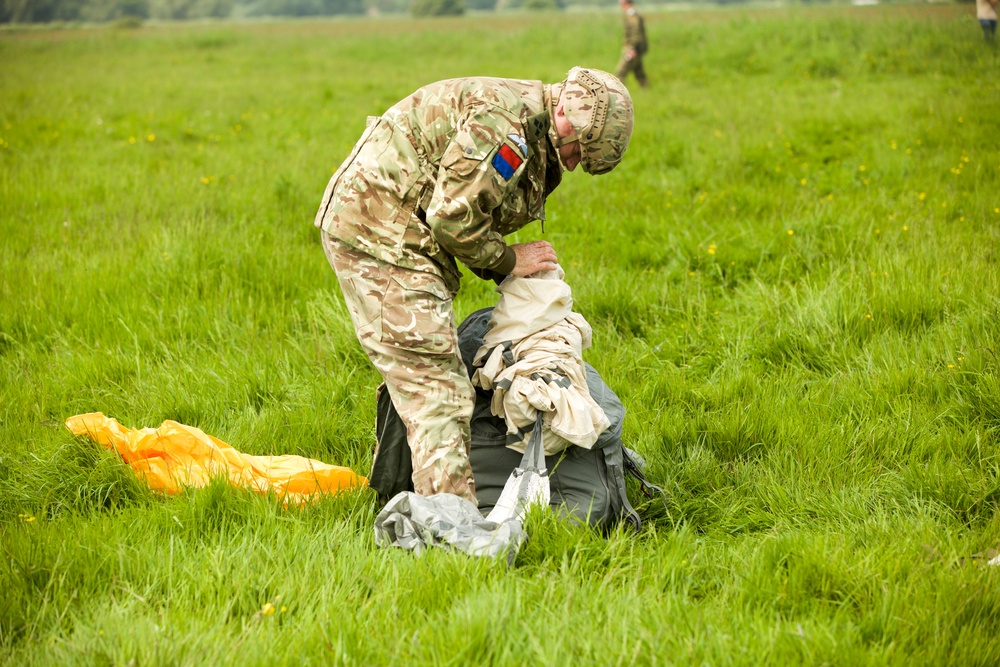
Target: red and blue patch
<point>506,161</point>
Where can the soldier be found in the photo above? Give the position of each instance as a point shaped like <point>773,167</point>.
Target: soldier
<point>986,12</point>
<point>445,174</point>
<point>635,45</point>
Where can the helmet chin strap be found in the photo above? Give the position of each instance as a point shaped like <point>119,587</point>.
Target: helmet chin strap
<point>562,165</point>
<point>562,141</point>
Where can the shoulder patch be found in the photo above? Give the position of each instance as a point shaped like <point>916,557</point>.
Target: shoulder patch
<point>506,161</point>
<point>537,126</point>
<point>520,142</point>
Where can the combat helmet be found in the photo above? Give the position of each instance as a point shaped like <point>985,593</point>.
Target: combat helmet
<point>599,108</point>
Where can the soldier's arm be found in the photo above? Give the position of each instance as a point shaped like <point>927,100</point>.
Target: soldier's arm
<point>478,169</point>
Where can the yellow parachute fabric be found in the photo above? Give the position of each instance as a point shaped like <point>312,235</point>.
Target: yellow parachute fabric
<point>175,456</point>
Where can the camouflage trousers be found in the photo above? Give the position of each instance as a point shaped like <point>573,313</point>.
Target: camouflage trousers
<point>405,324</point>
<point>633,65</point>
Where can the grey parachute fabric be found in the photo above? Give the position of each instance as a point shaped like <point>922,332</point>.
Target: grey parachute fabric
<point>588,484</point>
<point>415,522</point>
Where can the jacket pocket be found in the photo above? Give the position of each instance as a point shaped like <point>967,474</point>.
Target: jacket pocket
<point>465,153</point>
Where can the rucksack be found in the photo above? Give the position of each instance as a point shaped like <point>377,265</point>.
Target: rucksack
<point>588,484</point>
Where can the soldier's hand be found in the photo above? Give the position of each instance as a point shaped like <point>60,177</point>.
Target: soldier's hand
<point>534,257</point>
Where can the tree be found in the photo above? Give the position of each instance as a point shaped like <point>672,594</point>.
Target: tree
<point>437,7</point>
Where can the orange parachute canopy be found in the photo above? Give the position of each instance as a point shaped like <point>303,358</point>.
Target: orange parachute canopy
<point>175,456</point>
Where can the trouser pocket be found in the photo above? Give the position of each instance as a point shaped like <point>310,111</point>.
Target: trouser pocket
<point>417,313</point>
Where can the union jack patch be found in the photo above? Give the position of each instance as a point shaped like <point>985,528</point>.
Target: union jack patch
<point>506,161</point>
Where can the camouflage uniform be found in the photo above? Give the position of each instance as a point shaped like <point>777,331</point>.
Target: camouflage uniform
<point>442,175</point>
<point>635,41</point>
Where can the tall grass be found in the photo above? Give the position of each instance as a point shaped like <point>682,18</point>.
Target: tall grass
<point>793,285</point>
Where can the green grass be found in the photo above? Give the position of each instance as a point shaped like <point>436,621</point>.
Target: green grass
<point>792,280</point>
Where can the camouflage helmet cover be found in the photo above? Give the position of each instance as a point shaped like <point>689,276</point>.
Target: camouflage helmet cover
<point>599,108</point>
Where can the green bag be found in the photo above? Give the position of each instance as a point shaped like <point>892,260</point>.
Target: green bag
<point>588,484</point>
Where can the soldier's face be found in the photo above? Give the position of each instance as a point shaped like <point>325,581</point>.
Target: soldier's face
<point>570,153</point>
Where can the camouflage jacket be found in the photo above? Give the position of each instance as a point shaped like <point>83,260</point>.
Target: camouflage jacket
<point>444,175</point>
<point>635,32</point>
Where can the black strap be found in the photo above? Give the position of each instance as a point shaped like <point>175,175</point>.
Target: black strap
<point>628,512</point>
<point>634,466</point>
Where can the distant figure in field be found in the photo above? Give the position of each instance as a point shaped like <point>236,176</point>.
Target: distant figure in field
<point>986,12</point>
<point>635,45</point>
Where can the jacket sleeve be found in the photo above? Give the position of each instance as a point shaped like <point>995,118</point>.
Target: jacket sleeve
<point>478,169</point>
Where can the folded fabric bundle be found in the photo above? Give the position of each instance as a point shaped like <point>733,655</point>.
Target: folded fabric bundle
<point>532,360</point>
<point>175,456</point>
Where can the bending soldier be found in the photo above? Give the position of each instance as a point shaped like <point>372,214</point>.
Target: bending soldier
<point>635,45</point>
<point>442,176</point>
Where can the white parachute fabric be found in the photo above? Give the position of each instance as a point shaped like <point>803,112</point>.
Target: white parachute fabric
<point>528,485</point>
<point>532,360</point>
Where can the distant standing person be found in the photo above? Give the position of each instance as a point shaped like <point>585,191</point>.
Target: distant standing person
<point>986,12</point>
<point>635,46</point>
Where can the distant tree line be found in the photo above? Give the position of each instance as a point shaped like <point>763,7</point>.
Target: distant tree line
<point>45,11</point>
<point>42,11</point>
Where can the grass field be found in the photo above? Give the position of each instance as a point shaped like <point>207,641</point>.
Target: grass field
<point>792,280</point>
